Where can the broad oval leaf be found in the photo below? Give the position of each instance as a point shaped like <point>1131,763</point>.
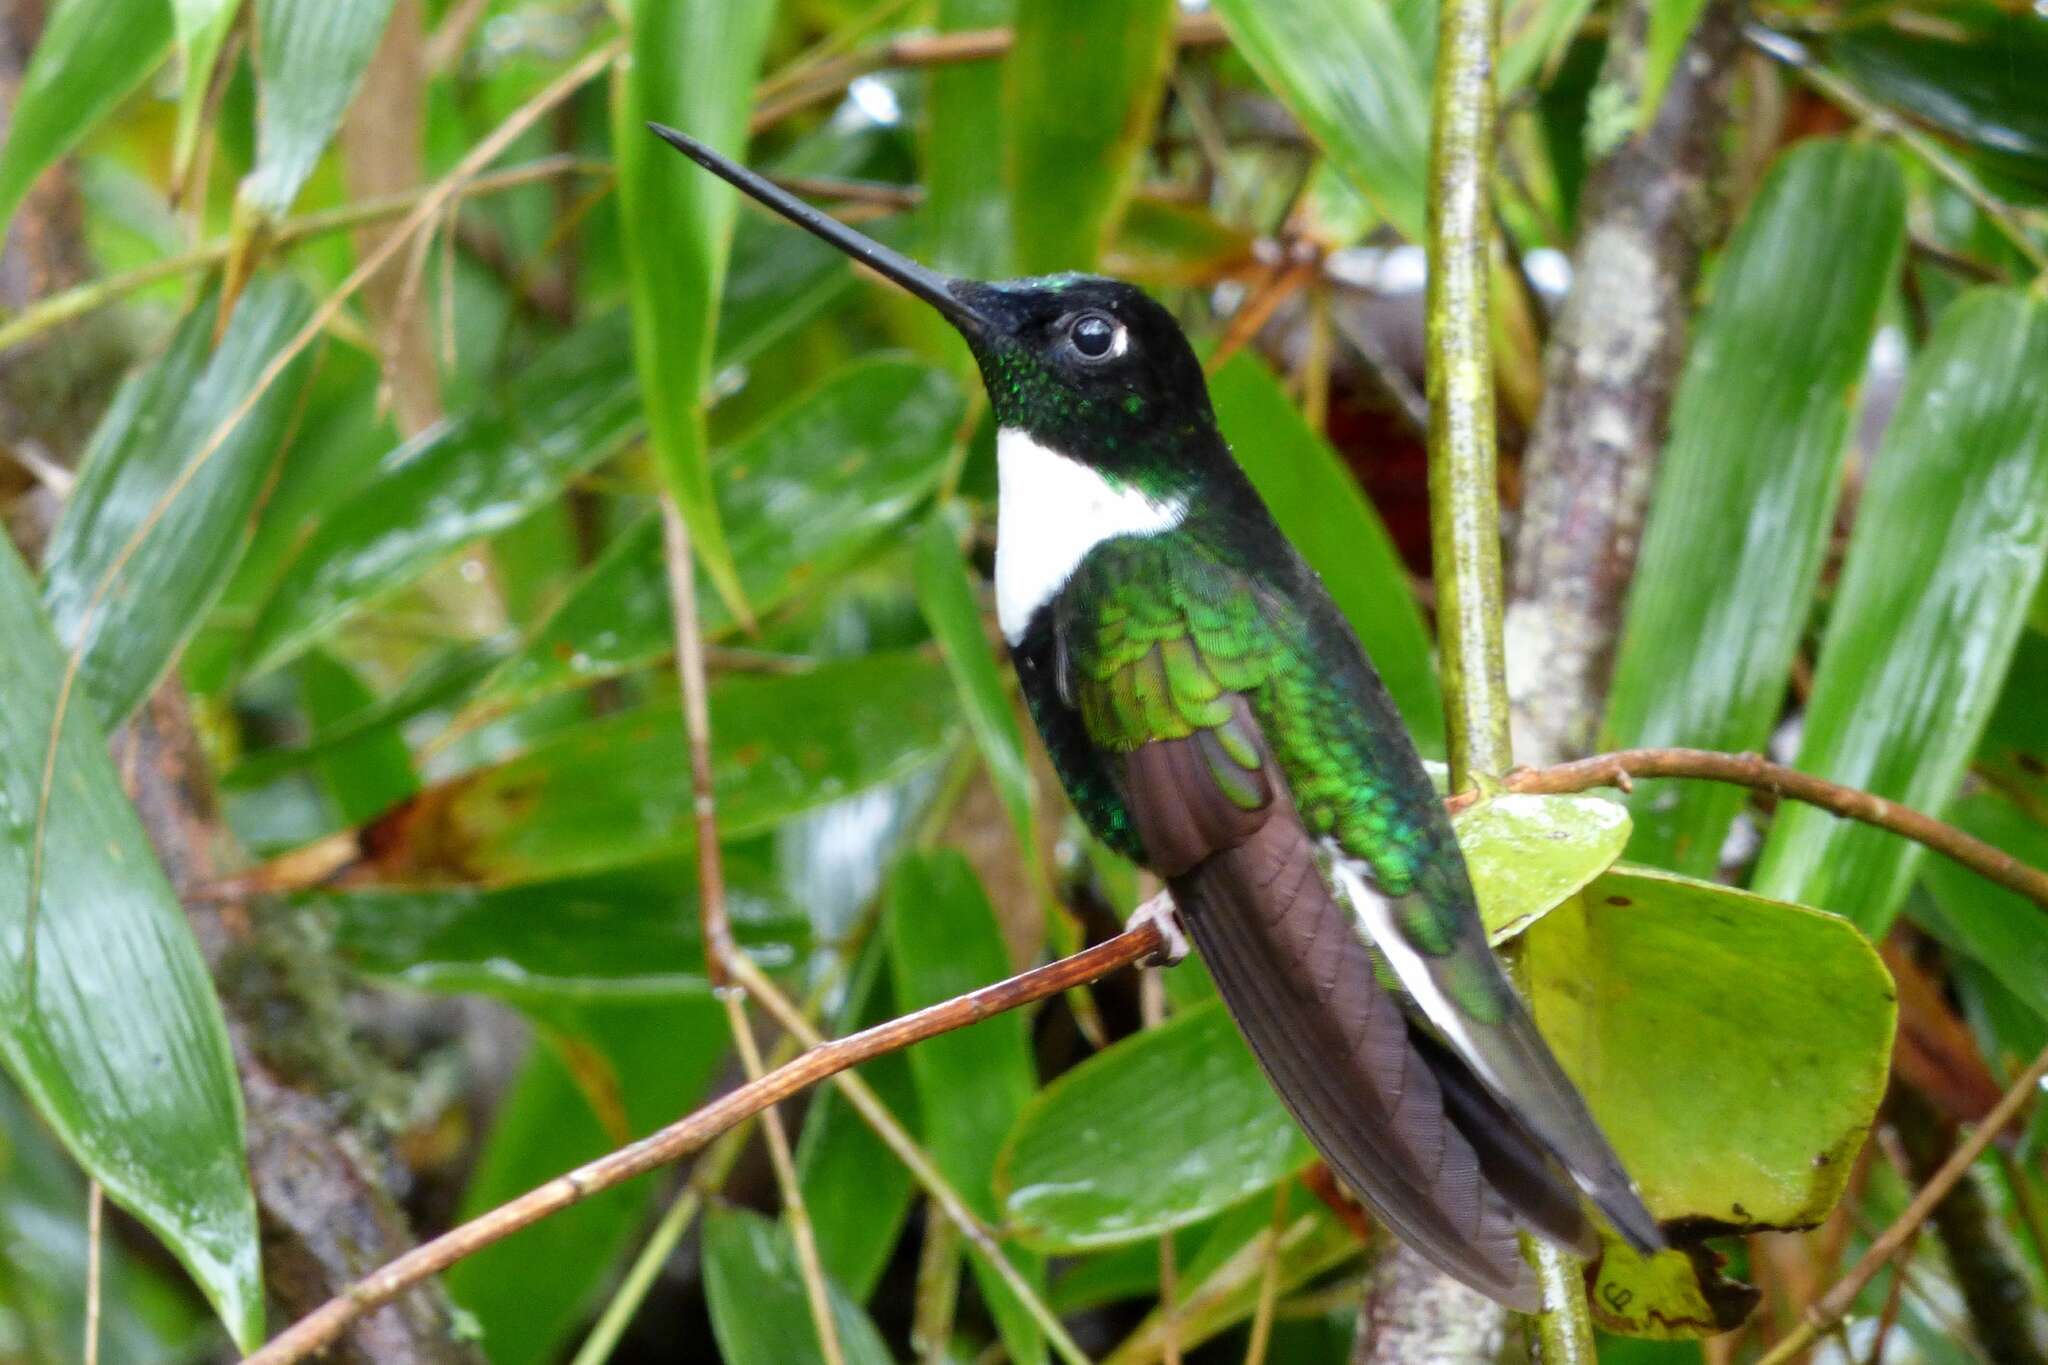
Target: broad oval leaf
<point>1347,72</point>
<point>758,1306</point>
<point>1322,510</point>
<point>152,533</point>
<point>1673,1005</point>
<point>111,1027</point>
<point>456,482</point>
<point>1951,535</point>
<point>801,499</point>
<point>1749,480</point>
<point>1082,82</point>
<point>310,56</point>
<point>616,791</point>
<point>1529,854</point>
<point>90,55</point>
<point>1152,1133</point>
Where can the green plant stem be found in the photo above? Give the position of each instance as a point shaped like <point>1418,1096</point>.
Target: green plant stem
<point>1464,503</point>
<point>71,303</point>
<point>1464,496</point>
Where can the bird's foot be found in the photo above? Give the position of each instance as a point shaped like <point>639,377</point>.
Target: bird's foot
<point>1173,940</point>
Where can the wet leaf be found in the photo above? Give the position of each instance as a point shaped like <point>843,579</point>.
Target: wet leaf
<point>1673,1004</point>
<point>966,217</point>
<point>2006,933</point>
<point>201,26</point>
<point>1083,80</point>
<point>113,1033</point>
<point>1974,75</point>
<point>616,791</point>
<point>626,934</point>
<point>1529,854</point>
<point>91,54</point>
<point>366,773</point>
<point>455,483</point>
<point>1359,88</point>
<point>692,65</point>
<point>972,1083</point>
<point>1950,540</point>
<point>801,499</point>
<point>152,532</point>
<point>1748,483</point>
<point>1154,1132</point>
<point>759,1307</point>
<point>1320,507</point>
<point>310,56</point>
<point>531,1290</point>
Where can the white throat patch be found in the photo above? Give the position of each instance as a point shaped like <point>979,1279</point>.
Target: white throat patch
<point>1051,512</point>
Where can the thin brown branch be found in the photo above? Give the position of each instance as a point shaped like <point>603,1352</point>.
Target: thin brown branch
<point>1754,771</point>
<point>1829,1308</point>
<point>782,96</point>
<point>718,940</point>
<point>320,1327</point>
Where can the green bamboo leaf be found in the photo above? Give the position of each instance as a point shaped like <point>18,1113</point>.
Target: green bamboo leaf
<point>153,531</point>
<point>1673,1004</point>
<point>626,934</point>
<point>1671,24</point>
<point>855,1190</point>
<point>310,56</point>
<point>1319,505</point>
<point>1534,36</point>
<point>972,1083</point>
<point>111,1026</point>
<point>1152,1133</point>
<point>616,791</point>
<point>802,498</point>
<point>1984,921</point>
<point>692,65</point>
<point>201,26</point>
<point>1083,84</point>
<point>954,614</point>
<point>967,208</point>
<point>455,483</point>
<point>758,1305</point>
<point>528,1292</point>
<point>363,774</point>
<point>1347,72</point>
<point>92,53</point>
<point>1975,76</point>
<point>1749,480</point>
<point>1948,546</point>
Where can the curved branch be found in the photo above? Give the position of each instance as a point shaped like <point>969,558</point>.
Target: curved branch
<point>1755,771</point>
<point>320,1327</point>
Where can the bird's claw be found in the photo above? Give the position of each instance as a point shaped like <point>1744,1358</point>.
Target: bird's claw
<point>1173,939</point>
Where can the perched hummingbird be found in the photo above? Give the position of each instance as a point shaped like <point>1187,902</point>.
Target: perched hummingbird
<point>1214,719</point>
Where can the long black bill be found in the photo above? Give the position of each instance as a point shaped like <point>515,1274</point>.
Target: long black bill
<point>925,283</point>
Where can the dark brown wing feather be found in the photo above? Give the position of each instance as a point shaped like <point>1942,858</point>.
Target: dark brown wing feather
<point>1398,1118</point>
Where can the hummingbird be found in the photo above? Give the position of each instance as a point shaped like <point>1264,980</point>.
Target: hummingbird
<point>1214,719</point>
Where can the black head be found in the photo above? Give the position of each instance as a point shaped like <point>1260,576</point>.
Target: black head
<point>1088,366</point>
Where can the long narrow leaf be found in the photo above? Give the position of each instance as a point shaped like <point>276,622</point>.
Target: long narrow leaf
<point>1949,542</point>
<point>1749,482</point>
<point>107,1019</point>
<point>310,57</point>
<point>91,54</point>
<point>201,26</point>
<point>1084,82</point>
<point>758,1308</point>
<point>693,65</point>
<point>153,531</point>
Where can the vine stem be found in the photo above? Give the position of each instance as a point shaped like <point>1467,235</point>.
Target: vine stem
<point>1464,501</point>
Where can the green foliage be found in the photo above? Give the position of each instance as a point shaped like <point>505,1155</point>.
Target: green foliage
<point>445,662</point>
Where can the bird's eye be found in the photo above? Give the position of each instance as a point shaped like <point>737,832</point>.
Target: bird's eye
<point>1095,337</point>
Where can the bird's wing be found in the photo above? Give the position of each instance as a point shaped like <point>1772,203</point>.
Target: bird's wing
<point>1172,661</point>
